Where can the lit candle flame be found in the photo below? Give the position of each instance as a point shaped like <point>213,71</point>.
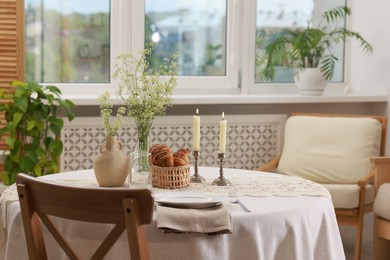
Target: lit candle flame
<point>197,112</point>
<point>223,116</point>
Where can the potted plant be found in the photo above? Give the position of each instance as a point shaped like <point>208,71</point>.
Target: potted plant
<point>32,129</point>
<point>309,50</point>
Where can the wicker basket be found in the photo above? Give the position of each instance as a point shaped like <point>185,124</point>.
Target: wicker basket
<point>170,177</point>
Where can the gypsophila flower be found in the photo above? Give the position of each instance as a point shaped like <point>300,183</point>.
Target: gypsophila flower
<point>106,108</point>
<point>145,92</point>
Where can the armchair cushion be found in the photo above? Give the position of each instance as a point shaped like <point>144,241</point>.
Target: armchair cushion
<point>330,149</point>
<point>346,196</point>
<point>381,204</point>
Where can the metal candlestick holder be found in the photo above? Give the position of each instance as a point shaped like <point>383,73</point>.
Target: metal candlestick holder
<point>196,178</point>
<point>221,181</point>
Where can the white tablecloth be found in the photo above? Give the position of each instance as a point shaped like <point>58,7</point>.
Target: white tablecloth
<point>281,226</point>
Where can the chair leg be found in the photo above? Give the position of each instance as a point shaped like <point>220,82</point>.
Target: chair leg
<point>359,235</point>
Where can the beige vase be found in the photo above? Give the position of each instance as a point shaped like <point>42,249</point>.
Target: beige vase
<point>111,165</point>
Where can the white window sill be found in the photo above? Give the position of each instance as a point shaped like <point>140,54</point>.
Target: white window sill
<point>358,97</point>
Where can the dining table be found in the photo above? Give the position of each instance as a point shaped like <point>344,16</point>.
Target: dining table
<point>290,218</point>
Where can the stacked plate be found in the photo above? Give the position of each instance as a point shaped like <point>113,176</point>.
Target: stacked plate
<point>193,200</point>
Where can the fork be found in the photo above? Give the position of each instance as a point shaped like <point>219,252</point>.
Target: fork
<point>233,199</point>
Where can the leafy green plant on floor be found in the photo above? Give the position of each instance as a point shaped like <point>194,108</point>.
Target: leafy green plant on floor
<point>32,129</point>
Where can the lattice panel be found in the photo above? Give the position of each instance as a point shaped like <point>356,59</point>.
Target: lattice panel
<point>250,142</point>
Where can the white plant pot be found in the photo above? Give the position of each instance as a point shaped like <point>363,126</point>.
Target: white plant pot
<point>310,81</point>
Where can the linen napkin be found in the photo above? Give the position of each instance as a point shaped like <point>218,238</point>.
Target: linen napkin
<point>212,221</point>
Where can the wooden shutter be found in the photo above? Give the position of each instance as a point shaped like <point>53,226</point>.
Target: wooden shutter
<point>11,41</point>
<point>11,48</point>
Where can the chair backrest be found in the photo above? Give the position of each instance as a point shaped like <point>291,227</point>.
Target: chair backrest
<point>127,209</point>
<point>332,148</point>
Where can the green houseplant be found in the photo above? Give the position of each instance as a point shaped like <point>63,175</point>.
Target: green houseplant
<point>311,47</point>
<point>282,72</point>
<point>32,129</point>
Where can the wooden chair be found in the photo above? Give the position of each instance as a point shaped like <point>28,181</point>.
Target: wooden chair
<point>128,209</point>
<point>382,209</point>
<point>337,155</point>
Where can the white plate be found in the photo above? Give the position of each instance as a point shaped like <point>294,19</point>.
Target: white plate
<point>193,200</point>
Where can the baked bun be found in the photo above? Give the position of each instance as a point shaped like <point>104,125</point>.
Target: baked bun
<point>154,148</point>
<point>180,158</point>
<point>161,155</point>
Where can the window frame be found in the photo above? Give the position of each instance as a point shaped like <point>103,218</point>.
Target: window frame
<point>202,84</point>
<point>127,16</point>
<point>87,90</point>
<point>248,68</point>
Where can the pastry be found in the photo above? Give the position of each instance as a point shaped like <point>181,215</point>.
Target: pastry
<point>180,158</point>
<point>161,155</point>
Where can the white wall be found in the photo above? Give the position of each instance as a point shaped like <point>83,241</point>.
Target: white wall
<point>371,19</point>
<point>371,72</point>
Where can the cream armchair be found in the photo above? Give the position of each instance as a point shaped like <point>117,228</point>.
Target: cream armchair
<point>335,151</point>
<point>382,209</point>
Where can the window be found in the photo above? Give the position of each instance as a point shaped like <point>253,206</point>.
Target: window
<point>219,42</point>
<point>67,41</point>
<point>203,33</point>
<point>195,29</point>
<point>274,16</point>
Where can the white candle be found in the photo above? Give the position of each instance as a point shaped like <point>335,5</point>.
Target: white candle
<point>222,134</point>
<point>196,131</point>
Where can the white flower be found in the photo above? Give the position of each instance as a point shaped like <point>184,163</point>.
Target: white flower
<point>145,92</point>
<point>106,108</point>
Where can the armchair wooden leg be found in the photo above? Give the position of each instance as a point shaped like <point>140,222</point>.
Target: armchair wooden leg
<point>359,220</point>
<point>359,235</point>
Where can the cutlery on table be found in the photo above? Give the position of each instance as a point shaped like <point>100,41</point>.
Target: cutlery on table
<point>233,199</point>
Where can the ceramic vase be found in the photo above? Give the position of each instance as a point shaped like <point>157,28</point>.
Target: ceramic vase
<point>111,165</point>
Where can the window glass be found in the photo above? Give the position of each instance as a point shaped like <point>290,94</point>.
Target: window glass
<point>276,15</point>
<point>67,41</point>
<point>195,30</point>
